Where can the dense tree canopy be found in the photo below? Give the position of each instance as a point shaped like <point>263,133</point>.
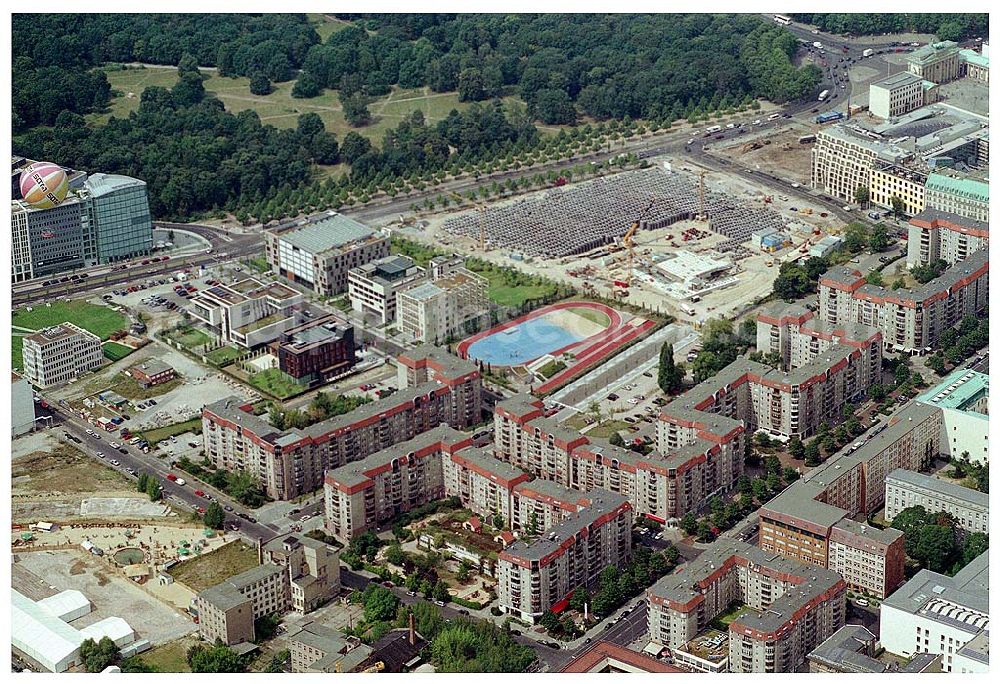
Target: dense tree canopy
<point>945,26</point>
<point>608,65</point>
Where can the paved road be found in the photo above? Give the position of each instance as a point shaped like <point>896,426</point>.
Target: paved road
<point>67,422</point>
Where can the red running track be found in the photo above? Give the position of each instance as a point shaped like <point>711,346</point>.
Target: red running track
<point>584,345</point>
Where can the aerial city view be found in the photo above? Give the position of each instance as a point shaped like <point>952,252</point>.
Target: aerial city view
<point>548,343</point>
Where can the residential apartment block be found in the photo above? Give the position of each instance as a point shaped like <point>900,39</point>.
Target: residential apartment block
<point>428,363</point>
<point>248,313</point>
<point>963,397</point>
<point>969,508</point>
<point>372,287</point>
<point>542,504</point>
<point>936,614</point>
<point>795,607</point>
<point>910,320</point>
<point>935,234</point>
<point>532,577</point>
<point>320,253</point>
<point>453,305</point>
<point>317,351</point>
<point>361,495</point>
<point>484,484</point>
<point>811,520</point>
<point>54,356</point>
<point>292,462</point>
<point>959,194</point>
<point>660,487</point>
<point>895,95</point>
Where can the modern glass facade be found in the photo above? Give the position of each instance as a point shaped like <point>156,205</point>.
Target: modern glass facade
<point>117,223</point>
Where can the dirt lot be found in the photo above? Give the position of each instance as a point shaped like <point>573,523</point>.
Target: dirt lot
<point>65,469</point>
<point>779,152</point>
<point>208,570</point>
<point>109,592</point>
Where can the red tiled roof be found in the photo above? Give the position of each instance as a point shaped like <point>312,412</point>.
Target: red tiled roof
<point>606,651</point>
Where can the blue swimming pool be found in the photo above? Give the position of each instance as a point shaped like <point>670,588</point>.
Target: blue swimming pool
<point>522,343</point>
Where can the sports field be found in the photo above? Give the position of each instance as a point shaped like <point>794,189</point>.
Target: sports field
<point>279,108</point>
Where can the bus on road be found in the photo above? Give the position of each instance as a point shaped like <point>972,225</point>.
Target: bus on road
<point>822,96</point>
<point>782,19</point>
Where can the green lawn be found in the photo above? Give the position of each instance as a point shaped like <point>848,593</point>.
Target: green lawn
<point>167,431</point>
<point>326,26</point>
<point>115,351</point>
<point>505,295</point>
<point>215,566</point>
<point>607,428</point>
<point>551,368</point>
<point>223,355</point>
<point>171,656</point>
<point>192,338</point>
<point>99,320</point>
<point>279,108</point>
<point>16,357</point>
<point>592,315</point>
<point>276,383</point>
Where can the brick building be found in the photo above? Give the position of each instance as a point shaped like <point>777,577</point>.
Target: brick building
<point>316,351</point>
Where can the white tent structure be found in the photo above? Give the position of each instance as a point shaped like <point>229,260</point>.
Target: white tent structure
<point>67,605</point>
<point>39,633</point>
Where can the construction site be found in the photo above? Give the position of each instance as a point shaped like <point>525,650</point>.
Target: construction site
<point>673,238</point>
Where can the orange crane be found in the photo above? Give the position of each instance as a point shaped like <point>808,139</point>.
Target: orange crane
<point>629,246</point>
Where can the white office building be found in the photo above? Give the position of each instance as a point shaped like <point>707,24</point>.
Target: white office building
<point>56,355</point>
<point>949,616</point>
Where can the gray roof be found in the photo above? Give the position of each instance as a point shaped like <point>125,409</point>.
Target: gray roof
<point>519,404</point>
<point>153,366</point>
<point>843,274</point>
<point>440,356</point>
<point>978,648</point>
<point>970,497</point>
<point>601,502</point>
<point>682,587</point>
<point>949,278</point>
<point>326,234</point>
<point>938,215</point>
<point>552,489</point>
<point>797,502</point>
<point>228,593</point>
<point>896,80</point>
<point>229,408</point>
<point>355,473</point>
<point>100,184</point>
<point>423,292</point>
<point>886,536</point>
<point>843,651</point>
<point>935,596</point>
<point>484,459</point>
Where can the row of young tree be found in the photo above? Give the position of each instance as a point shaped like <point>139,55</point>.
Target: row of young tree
<point>944,26</point>
<point>605,66</point>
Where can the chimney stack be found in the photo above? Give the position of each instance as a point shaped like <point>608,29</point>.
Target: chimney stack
<point>413,634</point>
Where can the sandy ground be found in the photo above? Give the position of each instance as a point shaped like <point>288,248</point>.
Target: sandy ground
<point>109,593</point>
<point>573,322</point>
<point>161,541</point>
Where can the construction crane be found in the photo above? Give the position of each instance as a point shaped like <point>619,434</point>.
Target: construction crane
<point>627,241</point>
<point>481,208</point>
